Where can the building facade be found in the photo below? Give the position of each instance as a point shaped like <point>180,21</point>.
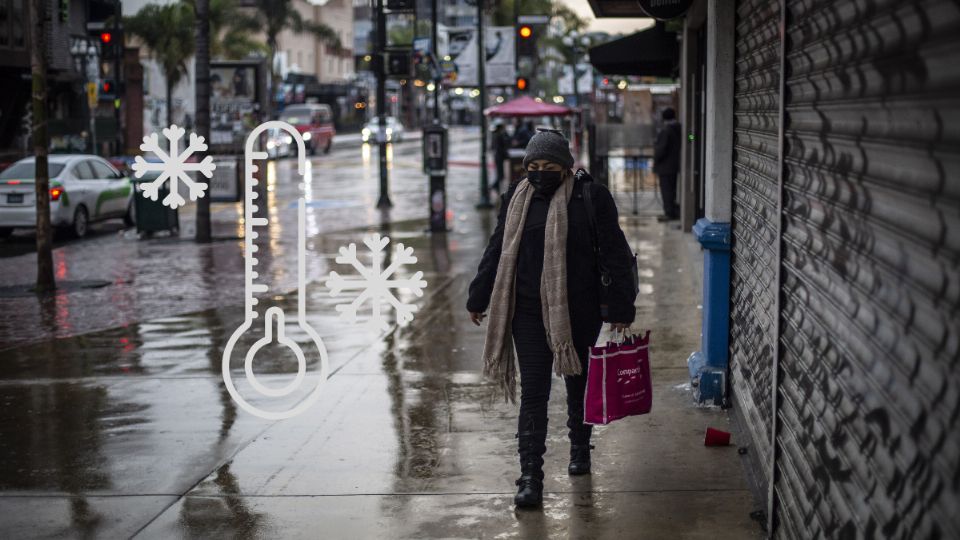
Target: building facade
<point>822,178</point>
<point>73,59</point>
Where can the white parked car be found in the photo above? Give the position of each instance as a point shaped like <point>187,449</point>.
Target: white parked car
<point>394,133</point>
<point>83,189</point>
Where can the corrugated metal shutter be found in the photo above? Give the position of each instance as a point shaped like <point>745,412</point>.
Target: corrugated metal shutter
<point>753,250</point>
<point>868,389</point>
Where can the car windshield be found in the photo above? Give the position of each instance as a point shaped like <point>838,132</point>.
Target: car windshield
<point>297,115</point>
<point>25,170</point>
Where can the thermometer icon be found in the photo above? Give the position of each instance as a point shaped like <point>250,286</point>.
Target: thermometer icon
<point>274,319</point>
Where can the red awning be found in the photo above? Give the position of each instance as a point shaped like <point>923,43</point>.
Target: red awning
<point>527,106</point>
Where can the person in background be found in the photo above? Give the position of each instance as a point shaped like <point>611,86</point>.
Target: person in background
<point>523,135</point>
<point>499,145</point>
<point>666,163</point>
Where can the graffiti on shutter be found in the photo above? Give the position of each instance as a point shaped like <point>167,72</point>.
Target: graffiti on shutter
<point>868,389</point>
<point>754,255</point>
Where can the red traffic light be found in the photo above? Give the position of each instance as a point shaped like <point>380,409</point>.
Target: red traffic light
<point>106,87</point>
<point>106,37</point>
<point>525,31</point>
<point>521,83</point>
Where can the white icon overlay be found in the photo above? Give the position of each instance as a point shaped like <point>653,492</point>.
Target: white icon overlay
<point>375,283</point>
<point>174,166</point>
<point>274,316</point>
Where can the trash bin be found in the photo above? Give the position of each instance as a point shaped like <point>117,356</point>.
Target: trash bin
<point>152,216</point>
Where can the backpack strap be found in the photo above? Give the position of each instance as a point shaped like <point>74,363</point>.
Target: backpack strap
<point>592,218</point>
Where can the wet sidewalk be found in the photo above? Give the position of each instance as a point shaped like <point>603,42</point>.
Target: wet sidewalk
<point>129,431</point>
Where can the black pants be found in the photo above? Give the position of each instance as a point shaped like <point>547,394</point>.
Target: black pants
<point>668,192</point>
<point>498,165</point>
<point>536,367</point>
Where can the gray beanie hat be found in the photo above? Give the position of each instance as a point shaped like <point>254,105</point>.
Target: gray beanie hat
<point>551,146</point>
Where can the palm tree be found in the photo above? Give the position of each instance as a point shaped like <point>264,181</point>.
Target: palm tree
<point>167,31</point>
<point>201,68</point>
<point>36,14</point>
<point>232,30</point>
<point>276,16</point>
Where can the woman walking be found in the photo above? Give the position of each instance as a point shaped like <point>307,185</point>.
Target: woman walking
<point>539,278</point>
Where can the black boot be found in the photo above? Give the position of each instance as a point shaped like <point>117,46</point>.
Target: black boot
<point>580,446</point>
<point>579,459</point>
<point>531,448</point>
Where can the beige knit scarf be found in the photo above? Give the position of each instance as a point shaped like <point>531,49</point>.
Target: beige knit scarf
<point>498,355</point>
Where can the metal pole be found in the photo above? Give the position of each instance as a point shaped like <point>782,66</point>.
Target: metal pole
<point>436,55</point>
<point>117,56</point>
<point>437,182</point>
<point>384,200</point>
<point>516,39</point>
<point>88,59</point>
<point>482,86</point>
<point>576,87</point>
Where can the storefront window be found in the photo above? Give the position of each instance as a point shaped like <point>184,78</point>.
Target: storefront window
<point>4,23</point>
<point>18,21</point>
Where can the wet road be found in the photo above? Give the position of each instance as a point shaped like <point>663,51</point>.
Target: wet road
<point>122,425</point>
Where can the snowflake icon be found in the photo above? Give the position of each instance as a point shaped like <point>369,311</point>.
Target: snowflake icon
<point>376,283</point>
<point>173,166</point>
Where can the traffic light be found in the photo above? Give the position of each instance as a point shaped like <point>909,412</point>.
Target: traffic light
<point>111,43</point>
<point>108,89</point>
<point>399,64</point>
<point>526,41</point>
<point>522,84</point>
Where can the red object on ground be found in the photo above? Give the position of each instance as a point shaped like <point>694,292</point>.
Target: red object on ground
<point>716,437</point>
<point>527,106</point>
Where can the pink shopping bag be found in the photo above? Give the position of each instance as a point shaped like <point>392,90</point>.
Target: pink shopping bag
<point>618,381</point>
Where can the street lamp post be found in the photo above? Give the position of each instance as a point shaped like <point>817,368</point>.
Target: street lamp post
<point>383,202</point>
<point>578,45</point>
<point>85,54</point>
<point>482,86</point>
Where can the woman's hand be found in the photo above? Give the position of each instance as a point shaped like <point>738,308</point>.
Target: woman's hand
<point>477,317</point>
<point>619,327</point>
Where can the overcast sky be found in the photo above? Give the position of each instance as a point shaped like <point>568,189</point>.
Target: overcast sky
<point>611,25</point>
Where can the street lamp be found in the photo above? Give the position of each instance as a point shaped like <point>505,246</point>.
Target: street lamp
<point>85,55</point>
<point>578,44</point>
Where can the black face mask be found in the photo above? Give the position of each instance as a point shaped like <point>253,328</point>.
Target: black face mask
<point>545,182</point>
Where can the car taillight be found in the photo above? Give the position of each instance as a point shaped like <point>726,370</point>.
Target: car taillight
<point>55,193</point>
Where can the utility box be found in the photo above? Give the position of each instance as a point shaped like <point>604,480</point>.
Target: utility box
<point>435,167</point>
<point>435,150</point>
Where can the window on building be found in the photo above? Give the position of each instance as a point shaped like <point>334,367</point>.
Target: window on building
<point>4,23</point>
<point>17,23</point>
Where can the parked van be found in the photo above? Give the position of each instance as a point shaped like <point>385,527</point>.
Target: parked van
<point>314,121</point>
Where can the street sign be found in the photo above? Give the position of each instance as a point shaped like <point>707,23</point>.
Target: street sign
<point>92,94</point>
<point>225,183</point>
<point>533,19</point>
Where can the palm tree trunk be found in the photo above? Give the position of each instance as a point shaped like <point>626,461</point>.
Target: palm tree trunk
<point>169,100</point>
<point>271,88</point>
<point>202,125</point>
<point>38,65</point>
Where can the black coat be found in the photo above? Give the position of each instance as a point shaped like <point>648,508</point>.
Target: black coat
<point>666,156</point>
<point>583,278</point>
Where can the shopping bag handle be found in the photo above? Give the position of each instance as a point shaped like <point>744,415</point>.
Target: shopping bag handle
<point>622,334</point>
